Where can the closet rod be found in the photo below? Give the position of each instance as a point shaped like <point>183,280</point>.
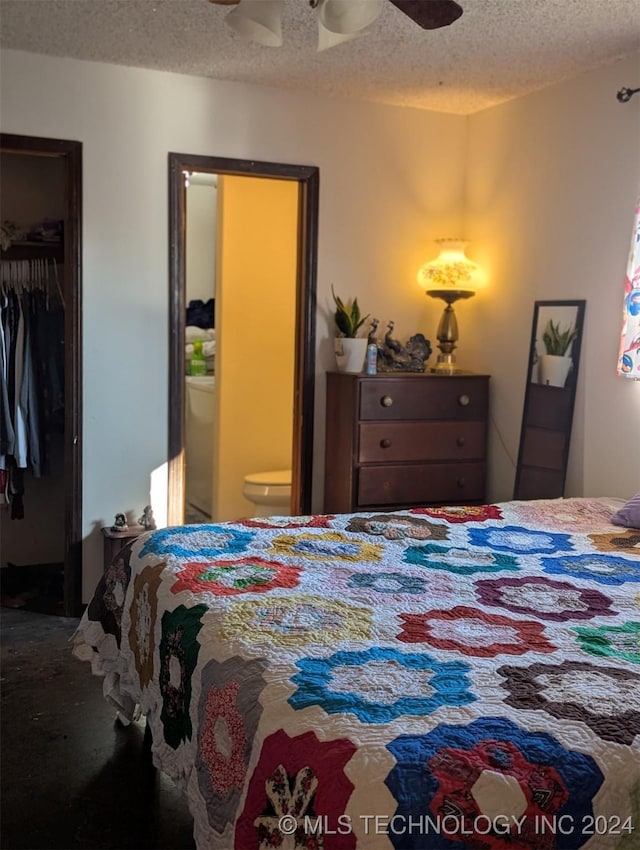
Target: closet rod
<point>24,275</point>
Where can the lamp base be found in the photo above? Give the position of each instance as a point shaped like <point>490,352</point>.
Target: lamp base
<point>446,365</point>
<point>448,330</point>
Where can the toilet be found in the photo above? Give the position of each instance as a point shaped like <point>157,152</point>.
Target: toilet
<point>199,420</point>
<point>270,492</point>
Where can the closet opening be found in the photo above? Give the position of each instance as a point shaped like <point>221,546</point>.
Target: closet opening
<point>40,375</point>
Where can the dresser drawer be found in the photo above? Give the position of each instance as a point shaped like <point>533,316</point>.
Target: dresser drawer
<point>390,442</point>
<point>408,398</point>
<point>395,440</point>
<point>421,484</point>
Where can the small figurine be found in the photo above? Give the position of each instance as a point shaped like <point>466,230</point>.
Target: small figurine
<point>372,339</point>
<point>146,520</point>
<point>120,523</point>
<point>394,357</point>
<point>391,343</point>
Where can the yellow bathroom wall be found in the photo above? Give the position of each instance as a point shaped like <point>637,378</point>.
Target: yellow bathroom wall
<point>255,333</point>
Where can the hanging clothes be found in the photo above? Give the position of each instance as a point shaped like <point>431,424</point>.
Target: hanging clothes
<point>7,434</point>
<point>31,370</point>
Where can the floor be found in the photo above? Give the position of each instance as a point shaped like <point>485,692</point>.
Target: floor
<point>192,515</point>
<point>71,775</point>
<point>34,587</point>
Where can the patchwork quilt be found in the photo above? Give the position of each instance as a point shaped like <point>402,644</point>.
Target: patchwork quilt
<point>447,678</point>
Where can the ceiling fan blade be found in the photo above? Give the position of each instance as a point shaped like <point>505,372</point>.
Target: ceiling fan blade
<point>430,14</point>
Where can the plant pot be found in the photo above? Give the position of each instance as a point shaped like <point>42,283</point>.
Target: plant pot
<point>553,369</point>
<point>350,354</point>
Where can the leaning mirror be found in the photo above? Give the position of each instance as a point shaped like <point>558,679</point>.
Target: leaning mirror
<point>552,374</point>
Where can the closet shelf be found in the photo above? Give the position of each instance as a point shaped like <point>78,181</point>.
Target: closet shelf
<point>34,251</point>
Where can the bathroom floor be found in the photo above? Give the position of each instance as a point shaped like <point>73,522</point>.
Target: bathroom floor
<point>193,515</point>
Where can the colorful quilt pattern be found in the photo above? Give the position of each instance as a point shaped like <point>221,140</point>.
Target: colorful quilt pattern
<point>447,678</point>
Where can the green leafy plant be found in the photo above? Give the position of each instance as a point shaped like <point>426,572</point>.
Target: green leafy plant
<point>557,341</point>
<point>347,317</point>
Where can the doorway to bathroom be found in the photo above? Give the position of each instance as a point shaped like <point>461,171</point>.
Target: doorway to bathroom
<point>242,292</point>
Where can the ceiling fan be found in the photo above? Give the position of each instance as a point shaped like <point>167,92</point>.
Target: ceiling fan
<point>338,20</point>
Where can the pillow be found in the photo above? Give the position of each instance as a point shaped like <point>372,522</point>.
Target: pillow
<point>629,514</point>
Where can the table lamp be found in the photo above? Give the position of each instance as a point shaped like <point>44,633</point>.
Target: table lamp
<point>451,277</point>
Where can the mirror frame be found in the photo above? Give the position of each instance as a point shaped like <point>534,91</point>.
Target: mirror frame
<point>558,420</point>
<point>308,180</point>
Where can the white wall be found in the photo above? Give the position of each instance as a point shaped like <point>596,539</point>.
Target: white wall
<point>552,182</point>
<point>391,181</point>
<point>200,240</point>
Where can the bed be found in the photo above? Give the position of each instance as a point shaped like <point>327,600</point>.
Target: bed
<point>462,677</point>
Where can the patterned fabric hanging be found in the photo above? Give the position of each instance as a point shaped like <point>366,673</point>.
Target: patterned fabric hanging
<point>629,357</point>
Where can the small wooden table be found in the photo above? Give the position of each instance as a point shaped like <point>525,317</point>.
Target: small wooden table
<point>114,540</point>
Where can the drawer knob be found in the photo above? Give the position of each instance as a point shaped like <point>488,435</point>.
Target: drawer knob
<point>463,400</point>
<point>460,441</point>
<point>385,443</point>
<point>460,482</point>
<point>386,401</point>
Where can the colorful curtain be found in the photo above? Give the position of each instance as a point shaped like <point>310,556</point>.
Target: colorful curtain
<point>629,358</point>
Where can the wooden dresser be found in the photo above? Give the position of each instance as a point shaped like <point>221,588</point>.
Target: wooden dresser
<point>397,440</point>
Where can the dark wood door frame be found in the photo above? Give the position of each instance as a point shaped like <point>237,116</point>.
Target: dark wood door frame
<point>307,178</point>
<point>71,154</point>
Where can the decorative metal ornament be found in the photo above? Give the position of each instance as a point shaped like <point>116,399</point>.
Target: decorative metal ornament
<point>394,357</point>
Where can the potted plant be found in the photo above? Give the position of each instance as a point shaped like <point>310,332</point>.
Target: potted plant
<point>350,349</point>
<point>554,366</point>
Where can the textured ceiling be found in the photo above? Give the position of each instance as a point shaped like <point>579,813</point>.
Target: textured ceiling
<point>498,49</point>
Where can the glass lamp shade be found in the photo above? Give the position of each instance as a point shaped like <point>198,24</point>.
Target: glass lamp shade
<point>258,20</point>
<point>346,17</point>
<point>451,272</point>
<point>327,39</point>
<point>451,276</point>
